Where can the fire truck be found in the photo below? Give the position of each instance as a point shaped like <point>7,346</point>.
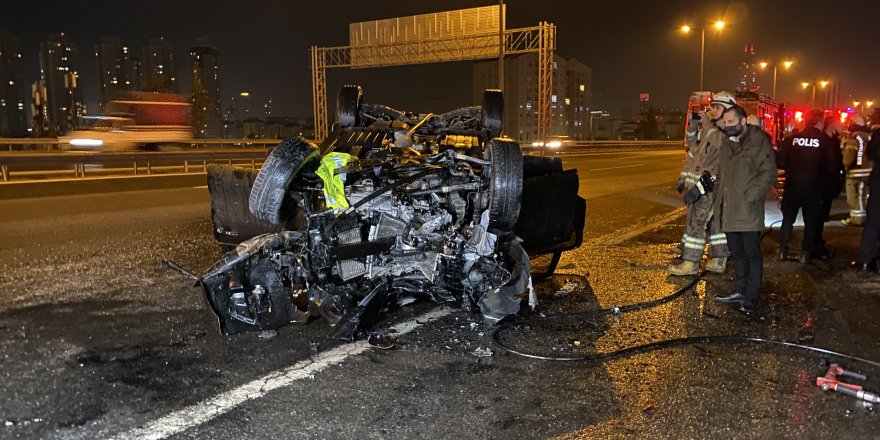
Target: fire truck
<point>795,114</point>
<point>771,114</point>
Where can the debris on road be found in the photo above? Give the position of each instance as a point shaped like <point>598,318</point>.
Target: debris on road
<point>483,352</point>
<point>566,290</point>
<point>380,341</point>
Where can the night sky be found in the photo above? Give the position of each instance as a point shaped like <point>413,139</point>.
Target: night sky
<point>631,46</point>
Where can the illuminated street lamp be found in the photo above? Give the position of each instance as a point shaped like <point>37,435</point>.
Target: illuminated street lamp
<point>822,84</point>
<point>786,64</point>
<point>718,25</point>
<point>862,107</point>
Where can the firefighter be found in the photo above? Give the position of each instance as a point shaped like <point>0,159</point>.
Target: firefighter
<point>701,168</point>
<point>858,168</point>
<point>809,164</point>
<point>871,234</point>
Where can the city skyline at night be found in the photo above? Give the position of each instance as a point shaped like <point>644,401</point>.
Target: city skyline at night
<point>630,49</point>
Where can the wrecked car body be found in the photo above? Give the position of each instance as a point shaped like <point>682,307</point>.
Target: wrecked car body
<point>392,206</point>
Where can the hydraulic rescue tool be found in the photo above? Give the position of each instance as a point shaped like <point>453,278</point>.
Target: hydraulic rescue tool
<point>830,382</point>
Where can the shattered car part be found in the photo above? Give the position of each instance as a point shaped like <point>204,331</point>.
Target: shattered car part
<point>391,206</point>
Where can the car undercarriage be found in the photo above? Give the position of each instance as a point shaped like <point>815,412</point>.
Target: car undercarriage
<point>391,207</point>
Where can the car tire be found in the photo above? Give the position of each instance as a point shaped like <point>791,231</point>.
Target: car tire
<point>268,199</point>
<point>230,189</point>
<point>506,180</point>
<point>348,104</point>
<point>492,115</point>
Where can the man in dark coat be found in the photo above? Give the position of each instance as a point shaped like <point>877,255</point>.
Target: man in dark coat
<point>747,172</point>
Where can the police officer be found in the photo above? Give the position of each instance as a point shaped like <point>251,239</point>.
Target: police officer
<point>702,163</point>
<point>809,162</point>
<point>833,185</point>
<point>858,168</point>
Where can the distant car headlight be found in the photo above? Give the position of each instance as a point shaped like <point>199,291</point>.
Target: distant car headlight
<point>537,144</point>
<point>554,144</point>
<point>81,142</point>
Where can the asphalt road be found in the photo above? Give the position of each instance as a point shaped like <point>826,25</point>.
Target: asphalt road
<point>101,342</point>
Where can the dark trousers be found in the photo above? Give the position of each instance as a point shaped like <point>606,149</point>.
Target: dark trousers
<point>871,233</point>
<point>828,197</point>
<point>810,204</point>
<point>745,252</point>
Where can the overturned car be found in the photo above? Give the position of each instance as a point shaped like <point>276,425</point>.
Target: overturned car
<point>392,206</point>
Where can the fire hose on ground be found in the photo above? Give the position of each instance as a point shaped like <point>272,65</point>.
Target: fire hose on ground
<point>828,382</point>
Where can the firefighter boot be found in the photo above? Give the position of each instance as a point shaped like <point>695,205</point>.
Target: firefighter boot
<point>684,268</point>
<point>717,265</point>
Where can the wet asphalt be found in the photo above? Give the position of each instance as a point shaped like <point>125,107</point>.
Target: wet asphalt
<point>100,339</point>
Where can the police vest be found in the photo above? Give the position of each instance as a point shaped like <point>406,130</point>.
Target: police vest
<point>805,142</point>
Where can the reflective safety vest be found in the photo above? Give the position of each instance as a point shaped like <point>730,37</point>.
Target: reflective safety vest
<point>334,182</point>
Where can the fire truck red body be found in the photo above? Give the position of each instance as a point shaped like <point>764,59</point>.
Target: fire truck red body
<point>771,114</point>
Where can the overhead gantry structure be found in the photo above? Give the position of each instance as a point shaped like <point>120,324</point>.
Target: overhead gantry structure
<point>462,35</point>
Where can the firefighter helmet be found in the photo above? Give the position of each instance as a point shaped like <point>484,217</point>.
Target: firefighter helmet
<point>724,99</point>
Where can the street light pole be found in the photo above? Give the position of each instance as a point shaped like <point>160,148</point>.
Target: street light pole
<point>719,25</point>
<point>702,55</point>
<point>787,64</point>
<point>774,82</point>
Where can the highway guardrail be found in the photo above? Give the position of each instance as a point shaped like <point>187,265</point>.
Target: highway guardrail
<point>40,158</point>
<point>37,166</point>
<point>53,144</point>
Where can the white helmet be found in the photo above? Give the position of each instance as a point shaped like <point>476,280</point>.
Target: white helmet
<point>725,99</point>
<point>859,120</point>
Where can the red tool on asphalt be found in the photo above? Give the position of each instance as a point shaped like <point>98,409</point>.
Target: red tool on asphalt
<point>829,382</point>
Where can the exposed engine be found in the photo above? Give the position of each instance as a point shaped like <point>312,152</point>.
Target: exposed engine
<point>369,232</point>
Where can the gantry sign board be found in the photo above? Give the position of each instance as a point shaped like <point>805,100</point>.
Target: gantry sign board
<point>380,40</point>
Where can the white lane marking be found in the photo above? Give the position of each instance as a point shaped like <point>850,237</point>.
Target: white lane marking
<point>212,407</point>
<point>617,167</point>
<point>200,187</point>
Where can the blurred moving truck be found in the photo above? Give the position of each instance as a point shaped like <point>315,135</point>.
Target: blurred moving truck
<point>136,121</point>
